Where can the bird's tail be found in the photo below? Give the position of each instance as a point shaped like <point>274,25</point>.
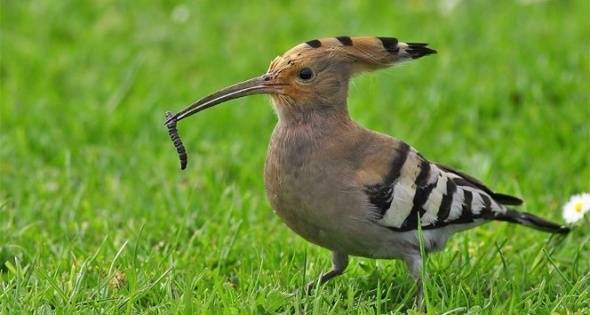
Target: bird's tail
<point>531,221</point>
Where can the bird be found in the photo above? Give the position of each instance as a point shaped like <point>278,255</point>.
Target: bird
<point>346,188</point>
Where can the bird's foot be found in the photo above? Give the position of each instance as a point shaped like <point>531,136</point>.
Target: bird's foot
<point>310,287</point>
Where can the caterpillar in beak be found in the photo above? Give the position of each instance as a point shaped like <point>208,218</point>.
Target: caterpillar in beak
<point>173,132</point>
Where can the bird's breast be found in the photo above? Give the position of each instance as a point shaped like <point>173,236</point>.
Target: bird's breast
<point>312,191</point>
<point>292,176</point>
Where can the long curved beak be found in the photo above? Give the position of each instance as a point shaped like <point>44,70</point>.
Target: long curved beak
<point>258,85</point>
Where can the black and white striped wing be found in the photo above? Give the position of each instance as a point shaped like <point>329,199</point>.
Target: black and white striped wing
<point>416,190</point>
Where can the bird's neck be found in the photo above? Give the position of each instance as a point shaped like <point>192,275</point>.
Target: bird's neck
<point>312,115</point>
<point>316,121</point>
<point>301,134</point>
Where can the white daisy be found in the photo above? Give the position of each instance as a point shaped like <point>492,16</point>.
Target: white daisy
<point>576,207</point>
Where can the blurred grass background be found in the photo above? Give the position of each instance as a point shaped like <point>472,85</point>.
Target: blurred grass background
<point>96,217</point>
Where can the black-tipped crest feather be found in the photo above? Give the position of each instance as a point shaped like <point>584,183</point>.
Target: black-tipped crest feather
<point>418,50</point>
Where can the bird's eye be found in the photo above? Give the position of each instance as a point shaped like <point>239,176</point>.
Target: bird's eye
<point>305,74</point>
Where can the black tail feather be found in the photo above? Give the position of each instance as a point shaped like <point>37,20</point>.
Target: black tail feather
<point>507,199</point>
<point>532,221</point>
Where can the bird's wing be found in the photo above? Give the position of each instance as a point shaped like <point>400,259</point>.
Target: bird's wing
<point>416,190</point>
<point>472,181</point>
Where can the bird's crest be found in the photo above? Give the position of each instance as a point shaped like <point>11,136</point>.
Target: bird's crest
<point>365,53</point>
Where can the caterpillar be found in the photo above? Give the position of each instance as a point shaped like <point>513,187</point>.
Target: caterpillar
<point>173,132</point>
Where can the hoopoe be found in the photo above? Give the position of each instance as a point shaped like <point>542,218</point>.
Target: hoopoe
<point>351,190</point>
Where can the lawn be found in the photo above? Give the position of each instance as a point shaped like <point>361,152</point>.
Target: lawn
<point>95,215</point>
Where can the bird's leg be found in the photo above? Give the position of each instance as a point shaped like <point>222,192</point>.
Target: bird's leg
<point>339,263</point>
<point>414,264</point>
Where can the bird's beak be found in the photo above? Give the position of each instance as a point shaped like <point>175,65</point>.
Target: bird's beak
<point>259,85</point>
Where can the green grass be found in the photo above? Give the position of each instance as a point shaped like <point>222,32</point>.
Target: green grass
<point>95,215</point>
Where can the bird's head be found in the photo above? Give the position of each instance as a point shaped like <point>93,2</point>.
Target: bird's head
<point>315,74</point>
